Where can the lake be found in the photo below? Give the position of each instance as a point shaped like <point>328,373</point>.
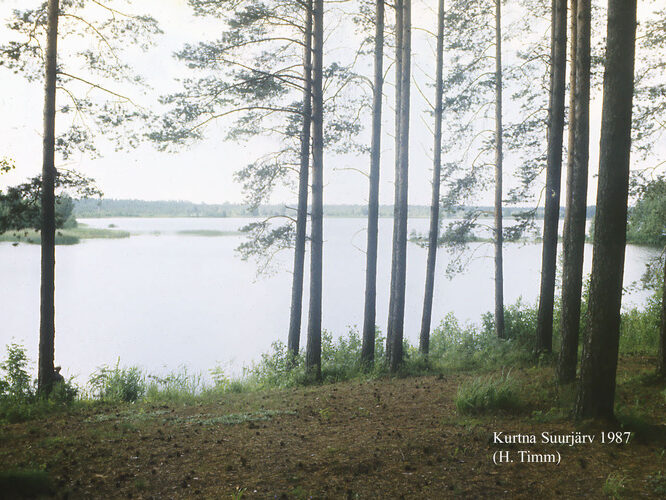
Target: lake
<point>161,299</point>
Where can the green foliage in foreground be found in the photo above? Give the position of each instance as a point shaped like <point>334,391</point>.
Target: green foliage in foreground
<point>454,347</point>
<point>488,394</point>
<point>118,384</point>
<point>19,400</point>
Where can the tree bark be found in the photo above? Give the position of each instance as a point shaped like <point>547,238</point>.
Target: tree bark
<point>46,373</point>
<point>302,211</point>
<point>369,316</point>
<point>433,234</point>
<point>544,340</point>
<point>661,358</point>
<point>313,350</point>
<point>399,35</point>
<point>399,268</point>
<point>596,392</point>
<point>499,156</point>
<point>576,204</point>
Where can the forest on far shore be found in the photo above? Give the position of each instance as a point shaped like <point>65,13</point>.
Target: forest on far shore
<point>105,207</point>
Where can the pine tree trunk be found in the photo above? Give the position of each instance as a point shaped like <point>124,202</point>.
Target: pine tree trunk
<point>661,359</point>
<point>369,316</point>
<point>399,270</point>
<point>499,155</point>
<point>302,212</point>
<point>433,234</point>
<point>576,206</point>
<point>313,350</point>
<point>596,392</point>
<point>544,341</point>
<point>47,308</point>
<point>399,33</point>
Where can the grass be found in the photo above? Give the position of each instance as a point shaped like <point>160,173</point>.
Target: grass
<point>488,395</point>
<point>70,236</point>
<point>614,485</point>
<point>236,418</point>
<point>657,483</point>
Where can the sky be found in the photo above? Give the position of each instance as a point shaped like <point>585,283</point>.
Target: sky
<point>203,172</point>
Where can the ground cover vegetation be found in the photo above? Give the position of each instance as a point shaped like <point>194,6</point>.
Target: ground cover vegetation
<point>364,415</point>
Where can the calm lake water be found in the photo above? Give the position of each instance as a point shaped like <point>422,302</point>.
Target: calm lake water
<point>160,299</point>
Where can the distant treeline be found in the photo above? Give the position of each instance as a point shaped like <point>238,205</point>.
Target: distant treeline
<point>141,208</point>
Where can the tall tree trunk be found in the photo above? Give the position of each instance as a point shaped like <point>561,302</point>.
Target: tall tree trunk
<point>313,350</point>
<point>433,235</point>
<point>47,308</point>
<point>369,316</point>
<point>302,213</point>
<point>596,392</point>
<point>576,207</point>
<point>499,155</point>
<point>399,35</point>
<point>544,340</point>
<point>661,359</point>
<point>399,260</point>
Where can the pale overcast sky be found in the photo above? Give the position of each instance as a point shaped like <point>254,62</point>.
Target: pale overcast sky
<point>204,171</point>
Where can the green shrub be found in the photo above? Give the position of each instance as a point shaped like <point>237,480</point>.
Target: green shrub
<point>63,393</point>
<point>174,387</point>
<point>277,368</point>
<point>520,323</point>
<point>118,384</point>
<point>639,332</point>
<point>614,485</point>
<point>19,400</point>
<point>15,384</point>
<point>457,347</point>
<point>486,395</point>
<point>340,360</point>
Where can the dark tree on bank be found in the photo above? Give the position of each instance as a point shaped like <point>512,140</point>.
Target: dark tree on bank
<point>577,173</point>
<point>544,334</point>
<point>313,350</point>
<point>596,392</point>
<point>433,233</point>
<point>396,318</point>
<point>76,75</point>
<point>293,339</point>
<point>20,205</point>
<point>369,315</point>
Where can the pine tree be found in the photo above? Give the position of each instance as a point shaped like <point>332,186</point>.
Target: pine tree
<point>369,315</point>
<point>544,340</point>
<point>313,350</point>
<point>596,392</point>
<point>396,319</point>
<point>433,234</point>
<point>576,205</point>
